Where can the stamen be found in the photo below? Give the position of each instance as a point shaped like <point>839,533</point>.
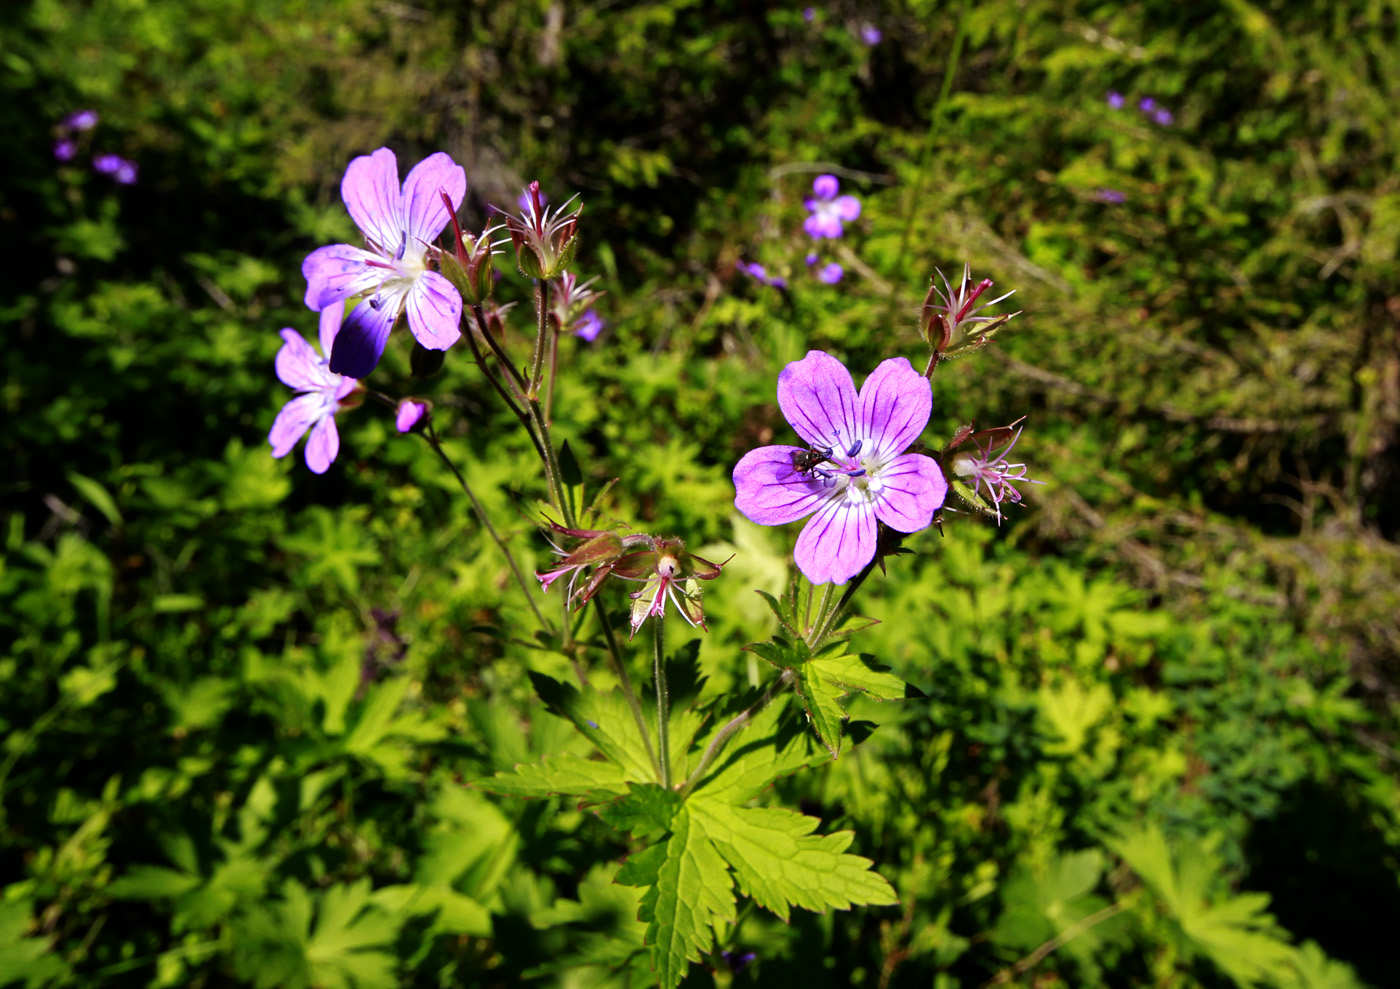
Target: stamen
<point>375,302</point>
<point>855,448</point>
<point>403,247</point>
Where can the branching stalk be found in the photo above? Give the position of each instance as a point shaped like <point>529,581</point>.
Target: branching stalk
<point>735,723</point>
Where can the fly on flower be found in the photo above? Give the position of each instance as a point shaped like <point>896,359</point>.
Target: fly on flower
<point>322,393</point>
<point>866,479</point>
<point>390,273</point>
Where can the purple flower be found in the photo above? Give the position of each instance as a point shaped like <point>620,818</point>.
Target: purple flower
<point>391,272</point>
<point>524,200</point>
<point>81,120</point>
<point>1164,117</point>
<point>738,962</point>
<point>809,14</point>
<point>863,475</point>
<point>828,209</point>
<point>411,414</point>
<point>757,272</point>
<point>811,259</point>
<point>830,274</point>
<point>1115,100</point>
<point>320,395</point>
<point>987,464</point>
<point>589,325</point>
<point>1110,196</point>
<point>1147,104</point>
<point>64,149</point>
<point>126,173</point>
<point>870,34</point>
<point>108,164</point>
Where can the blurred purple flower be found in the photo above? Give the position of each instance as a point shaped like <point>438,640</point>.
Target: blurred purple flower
<point>1115,100</point>
<point>81,120</point>
<point>589,325</point>
<point>1147,104</point>
<point>108,164</point>
<point>865,477</point>
<point>809,15</point>
<point>828,209</point>
<point>391,272</point>
<point>1110,196</point>
<point>870,34</point>
<point>810,259</point>
<point>64,149</point>
<point>1164,117</point>
<point>524,201</point>
<point>738,962</point>
<point>830,274</point>
<point>411,415</point>
<point>126,173</point>
<point>320,395</point>
<point>757,272</point>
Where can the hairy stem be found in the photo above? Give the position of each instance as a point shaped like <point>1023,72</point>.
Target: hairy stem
<point>830,619</point>
<point>497,349</point>
<point>615,657</point>
<point>541,331</point>
<point>432,437</point>
<point>735,723</point>
<point>663,697</point>
<point>495,382</point>
<point>553,374</point>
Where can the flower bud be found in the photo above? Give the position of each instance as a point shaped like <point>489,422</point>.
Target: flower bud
<point>413,415</point>
<point>545,242</point>
<point>470,267</point>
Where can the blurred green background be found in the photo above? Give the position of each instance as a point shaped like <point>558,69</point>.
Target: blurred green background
<point>241,703</point>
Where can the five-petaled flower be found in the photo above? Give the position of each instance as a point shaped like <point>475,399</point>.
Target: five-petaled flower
<point>829,211</point>
<point>391,272</point>
<point>323,393</point>
<point>856,471</point>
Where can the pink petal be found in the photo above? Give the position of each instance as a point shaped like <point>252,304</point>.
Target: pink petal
<point>768,489</point>
<point>329,327</point>
<point>895,403</point>
<point>848,208</point>
<point>912,490</point>
<point>837,543</point>
<point>825,186</point>
<point>297,363</point>
<point>434,311</point>
<point>294,419</point>
<point>424,214</point>
<point>371,193</point>
<point>819,400</point>
<point>335,273</point>
<point>323,445</point>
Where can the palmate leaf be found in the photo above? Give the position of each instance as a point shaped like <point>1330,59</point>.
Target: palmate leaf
<point>1234,932</point>
<point>560,775</point>
<point>1042,904</point>
<point>824,678</point>
<point>604,719</point>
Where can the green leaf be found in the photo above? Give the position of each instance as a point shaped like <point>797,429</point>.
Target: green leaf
<point>647,808</point>
<point>97,495</point>
<point>761,753</point>
<point>822,699</point>
<point>456,913</point>
<point>692,900</point>
<point>779,862</point>
<point>1046,903</point>
<point>559,775</point>
<point>152,882</point>
<point>604,719</point>
<point>569,471</point>
<point>25,959</point>
<point>643,868</point>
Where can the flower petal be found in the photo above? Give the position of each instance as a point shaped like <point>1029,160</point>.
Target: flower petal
<point>335,273</point>
<point>847,208</point>
<point>819,400</point>
<point>329,327</point>
<point>434,311</point>
<point>297,363</point>
<point>895,403</point>
<point>912,489</point>
<point>360,342</point>
<point>294,419</point>
<point>423,212</point>
<point>322,445</point>
<point>825,186</point>
<point>371,193</point>
<point>819,225</point>
<point>837,543</point>
<point>769,490</point>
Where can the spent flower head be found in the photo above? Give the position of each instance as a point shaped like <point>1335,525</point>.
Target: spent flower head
<point>545,241</point>
<point>321,394</point>
<point>391,272</point>
<point>470,265</point>
<point>854,473</point>
<point>987,463</point>
<point>669,573</point>
<point>829,210</point>
<point>948,314</point>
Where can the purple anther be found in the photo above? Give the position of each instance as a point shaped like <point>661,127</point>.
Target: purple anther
<point>855,448</point>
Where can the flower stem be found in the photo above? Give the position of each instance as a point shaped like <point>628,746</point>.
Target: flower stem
<point>495,382</point>
<point>553,374</point>
<point>735,723</point>
<point>497,349</point>
<point>663,697</point>
<point>830,620</point>
<point>432,437</point>
<point>615,657</point>
<point>541,330</point>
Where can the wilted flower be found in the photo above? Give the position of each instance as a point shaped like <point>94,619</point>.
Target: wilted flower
<point>81,120</point>
<point>829,211</point>
<point>855,471</point>
<point>986,463</point>
<point>870,34</point>
<point>545,242</point>
<point>830,274</point>
<point>941,324</point>
<point>323,393</point>
<point>670,574</point>
<point>1115,100</point>
<point>391,271</point>
<point>412,414</point>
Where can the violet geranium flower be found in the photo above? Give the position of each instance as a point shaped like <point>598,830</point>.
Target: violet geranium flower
<point>829,211</point>
<point>391,271</point>
<point>856,471</point>
<point>322,395</point>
